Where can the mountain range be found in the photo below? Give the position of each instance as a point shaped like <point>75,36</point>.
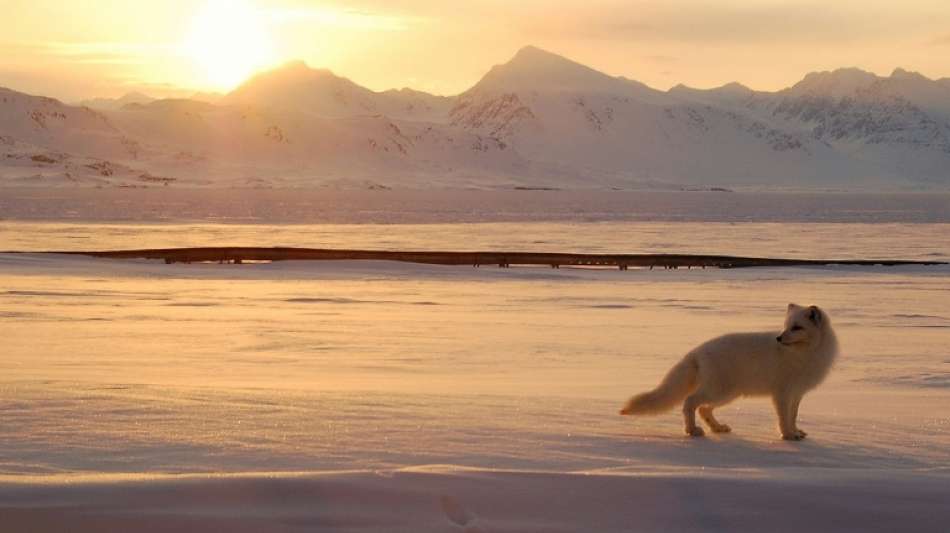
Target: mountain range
<point>538,121</point>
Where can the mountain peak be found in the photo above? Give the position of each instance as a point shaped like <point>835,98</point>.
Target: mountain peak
<point>291,82</point>
<point>734,87</point>
<point>533,53</point>
<point>294,64</point>
<point>134,96</point>
<point>835,83</point>
<point>532,67</point>
<point>730,91</point>
<point>292,70</point>
<point>901,74</point>
<point>111,104</point>
<point>844,74</point>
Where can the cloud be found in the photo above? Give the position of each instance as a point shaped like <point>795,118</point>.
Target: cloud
<point>72,71</point>
<point>92,53</point>
<point>724,22</point>
<point>341,18</point>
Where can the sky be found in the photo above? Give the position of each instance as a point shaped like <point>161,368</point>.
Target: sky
<point>74,49</point>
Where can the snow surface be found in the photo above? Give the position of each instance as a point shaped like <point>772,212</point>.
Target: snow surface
<point>354,396</point>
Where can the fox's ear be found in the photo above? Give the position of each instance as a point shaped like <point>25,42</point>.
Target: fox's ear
<point>791,306</point>
<point>814,314</point>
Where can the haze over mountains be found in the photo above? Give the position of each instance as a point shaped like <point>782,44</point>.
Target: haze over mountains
<point>539,120</point>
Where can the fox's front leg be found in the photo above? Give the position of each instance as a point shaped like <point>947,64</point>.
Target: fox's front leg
<point>786,407</point>
<point>797,399</point>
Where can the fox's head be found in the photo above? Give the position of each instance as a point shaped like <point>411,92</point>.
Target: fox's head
<point>803,326</point>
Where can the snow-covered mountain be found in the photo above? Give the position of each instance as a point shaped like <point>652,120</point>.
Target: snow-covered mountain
<point>539,120</point>
<point>616,131</point>
<point>297,87</point>
<point>112,104</point>
<point>898,124</point>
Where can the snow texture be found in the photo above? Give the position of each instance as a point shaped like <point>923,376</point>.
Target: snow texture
<point>355,396</point>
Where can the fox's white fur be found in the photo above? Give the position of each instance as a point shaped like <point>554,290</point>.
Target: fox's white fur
<point>718,371</point>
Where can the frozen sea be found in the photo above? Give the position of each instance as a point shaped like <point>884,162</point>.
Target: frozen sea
<point>375,396</point>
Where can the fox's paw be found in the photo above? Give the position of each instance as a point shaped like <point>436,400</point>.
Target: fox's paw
<point>721,428</point>
<point>695,432</point>
<point>795,435</point>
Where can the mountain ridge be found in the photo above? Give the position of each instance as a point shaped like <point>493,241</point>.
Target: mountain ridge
<point>537,119</point>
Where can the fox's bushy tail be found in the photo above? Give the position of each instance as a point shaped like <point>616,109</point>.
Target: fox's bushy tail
<point>679,382</point>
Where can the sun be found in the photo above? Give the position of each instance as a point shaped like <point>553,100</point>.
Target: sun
<point>227,42</point>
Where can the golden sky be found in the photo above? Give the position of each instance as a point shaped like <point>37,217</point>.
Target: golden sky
<point>74,49</point>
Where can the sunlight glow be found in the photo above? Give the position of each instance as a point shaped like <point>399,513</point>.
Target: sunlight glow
<point>229,41</point>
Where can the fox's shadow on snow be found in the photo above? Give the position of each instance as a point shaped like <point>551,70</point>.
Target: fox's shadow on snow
<point>733,450</point>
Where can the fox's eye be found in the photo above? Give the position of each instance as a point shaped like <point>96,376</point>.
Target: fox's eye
<point>797,328</point>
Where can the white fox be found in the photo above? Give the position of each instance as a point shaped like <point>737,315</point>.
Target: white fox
<point>718,371</point>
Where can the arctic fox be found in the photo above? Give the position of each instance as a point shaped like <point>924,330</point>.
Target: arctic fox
<point>718,371</point>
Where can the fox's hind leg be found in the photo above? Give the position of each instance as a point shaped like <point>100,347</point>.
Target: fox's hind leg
<point>698,400</point>
<point>706,412</point>
<point>704,399</point>
<point>692,403</point>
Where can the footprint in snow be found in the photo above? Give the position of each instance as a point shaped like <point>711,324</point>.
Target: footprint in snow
<point>466,520</point>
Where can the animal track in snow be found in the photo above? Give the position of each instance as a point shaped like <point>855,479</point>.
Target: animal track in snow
<point>466,520</point>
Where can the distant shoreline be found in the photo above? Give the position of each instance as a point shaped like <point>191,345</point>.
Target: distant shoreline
<point>440,206</point>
